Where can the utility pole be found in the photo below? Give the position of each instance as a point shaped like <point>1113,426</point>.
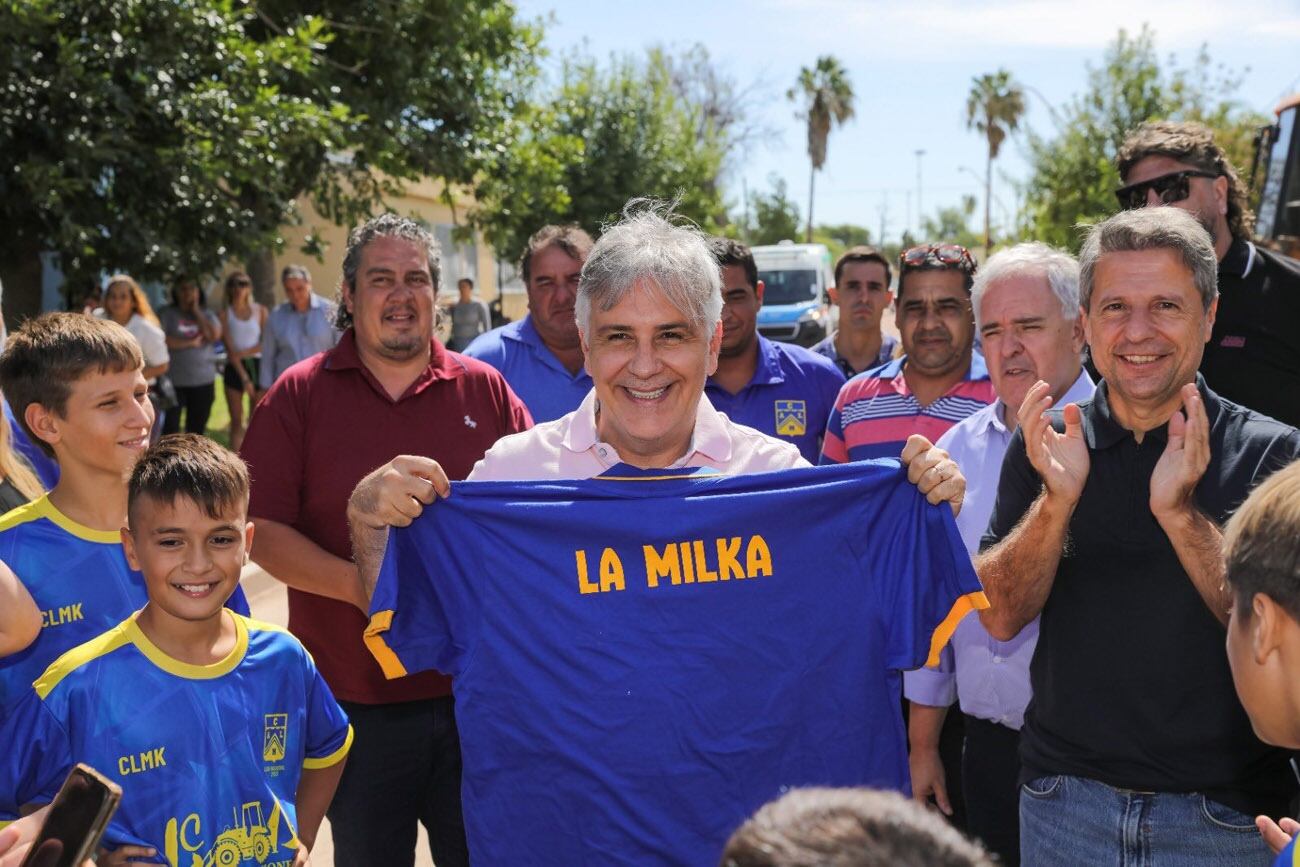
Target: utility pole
<point>920,210</point>
<point>907,224</point>
<point>884,213</point>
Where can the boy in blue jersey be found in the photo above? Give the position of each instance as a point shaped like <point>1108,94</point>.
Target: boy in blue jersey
<point>76,385</point>
<point>226,741</point>
<point>1262,547</point>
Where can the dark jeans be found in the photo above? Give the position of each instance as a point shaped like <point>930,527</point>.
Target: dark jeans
<point>404,767</point>
<point>990,768</point>
<point>196,402</point>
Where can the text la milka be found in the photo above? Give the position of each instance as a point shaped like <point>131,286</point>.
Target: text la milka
<point>692,562</point>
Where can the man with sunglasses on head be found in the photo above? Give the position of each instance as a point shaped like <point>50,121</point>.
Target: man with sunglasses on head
<point>1253,356</point>
<point>938,381</point>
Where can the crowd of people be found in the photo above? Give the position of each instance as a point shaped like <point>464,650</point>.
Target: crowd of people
<point>1042,680</point>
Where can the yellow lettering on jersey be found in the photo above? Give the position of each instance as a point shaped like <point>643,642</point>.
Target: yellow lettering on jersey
<point>584,586</point>
<point>729,559</point>
<point>611,571</point>
<point>702,573</point>
<point>665,565</point>
<point>141,762</point>
<point>688,565</point>
<point>62,615</point>
<point>758,558</point>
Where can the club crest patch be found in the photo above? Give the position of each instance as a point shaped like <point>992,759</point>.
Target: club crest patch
<point>791,418</point>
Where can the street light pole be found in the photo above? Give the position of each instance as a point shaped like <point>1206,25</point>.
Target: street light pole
<point>920,211</point>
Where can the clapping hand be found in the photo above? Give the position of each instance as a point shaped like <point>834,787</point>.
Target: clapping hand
<point>1186,455</point>
<point>1061,459</point>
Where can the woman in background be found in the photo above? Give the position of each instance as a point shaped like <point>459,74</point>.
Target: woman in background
<point>244,321</point>
<point>192,331</point>
<point>126,304</point>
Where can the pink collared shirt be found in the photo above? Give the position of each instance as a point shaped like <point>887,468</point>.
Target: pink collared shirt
<point>569,448</point>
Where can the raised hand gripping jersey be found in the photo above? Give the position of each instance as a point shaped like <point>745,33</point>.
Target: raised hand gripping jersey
<point>208,757</point>
<point>79,579</point>
<point>641,661</point>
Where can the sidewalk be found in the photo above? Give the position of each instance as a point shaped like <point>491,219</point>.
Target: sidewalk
<point>270,602</point>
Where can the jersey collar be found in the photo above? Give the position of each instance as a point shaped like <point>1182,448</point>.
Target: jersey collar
<point>710,437</point>
<point>1240,258</point>
<point>46,509</point>
<point>184,669</point>
<point>441,365</point>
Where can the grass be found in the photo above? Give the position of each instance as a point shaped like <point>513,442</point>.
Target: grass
<point>219,420</point>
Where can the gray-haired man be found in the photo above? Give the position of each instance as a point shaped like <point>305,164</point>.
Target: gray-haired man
<point>299,328</point>
<point>1107,523</point>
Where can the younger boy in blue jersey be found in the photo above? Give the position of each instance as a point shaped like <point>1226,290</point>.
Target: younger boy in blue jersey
<point>225,739</point>
<point>1262,547</point>
<point>77,387</point>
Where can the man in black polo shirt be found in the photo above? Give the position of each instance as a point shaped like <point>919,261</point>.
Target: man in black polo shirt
<point>1135,748</point>
<point>1253,356</point>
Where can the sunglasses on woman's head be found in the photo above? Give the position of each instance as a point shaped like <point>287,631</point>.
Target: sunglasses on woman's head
<point>1170,188</point>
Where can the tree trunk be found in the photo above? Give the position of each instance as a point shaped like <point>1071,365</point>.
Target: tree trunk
<point>21,277</point>
<point>988,204</point>
<point>261,268</point>
<point>812,179</point>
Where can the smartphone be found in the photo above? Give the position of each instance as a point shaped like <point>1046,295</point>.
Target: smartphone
<point>78,817</point>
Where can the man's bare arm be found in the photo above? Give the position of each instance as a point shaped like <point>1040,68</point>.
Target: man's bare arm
<point>1199,545</point>
<point>1019,571</point>
<point>392,496</point>
<point>1196,539</point>
<point>303,565</point>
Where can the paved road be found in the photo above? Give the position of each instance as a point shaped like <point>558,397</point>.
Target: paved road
<point>269,602</point>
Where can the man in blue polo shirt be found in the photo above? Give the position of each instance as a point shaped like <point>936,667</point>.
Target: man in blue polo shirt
<point>539,355</point>
<point>781,389</point>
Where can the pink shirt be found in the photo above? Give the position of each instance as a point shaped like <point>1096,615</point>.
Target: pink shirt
<point>569,448</point>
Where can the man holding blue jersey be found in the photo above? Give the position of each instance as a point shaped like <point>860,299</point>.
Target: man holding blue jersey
<point>781,389</point>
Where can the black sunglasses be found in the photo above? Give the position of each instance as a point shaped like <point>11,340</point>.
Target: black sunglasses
<point>1170,188</point>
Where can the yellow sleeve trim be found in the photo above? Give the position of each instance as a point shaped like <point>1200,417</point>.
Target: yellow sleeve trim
<point>83,654</point>
<point>381,622</point>
<point>963,606</point>
<point>333,758</point>
<point>5,823</point>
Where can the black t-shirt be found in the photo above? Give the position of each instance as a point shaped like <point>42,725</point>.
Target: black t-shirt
<point>1130,679</point>
<point>1253,357</point>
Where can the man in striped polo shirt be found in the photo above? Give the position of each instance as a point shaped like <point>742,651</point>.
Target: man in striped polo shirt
<point>938,381</point>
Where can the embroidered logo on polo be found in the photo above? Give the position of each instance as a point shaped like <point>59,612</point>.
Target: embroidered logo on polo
<point>1230,341</point>
<point>791,418</point>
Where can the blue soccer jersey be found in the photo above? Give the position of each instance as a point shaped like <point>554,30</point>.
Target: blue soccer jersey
<point>1288,857</point>
<point>80,580</point>
<point>642,662</point>
<point>208,757</point>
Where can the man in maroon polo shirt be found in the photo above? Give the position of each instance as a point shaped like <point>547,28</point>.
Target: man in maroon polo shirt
<point>388,388</point>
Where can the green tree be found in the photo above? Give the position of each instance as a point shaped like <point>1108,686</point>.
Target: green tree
<point>827,98</point>
<point>150,137</point>
<point>951,225</point>
<point>156,137</point>
<point>840,237</point>
<point>1073,176</point>
<point>776,217</point>
<point>993,109</point>
<point>607,135</point>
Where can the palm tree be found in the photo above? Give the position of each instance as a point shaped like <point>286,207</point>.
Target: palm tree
<point>827,99</point>
<point>993,108</point>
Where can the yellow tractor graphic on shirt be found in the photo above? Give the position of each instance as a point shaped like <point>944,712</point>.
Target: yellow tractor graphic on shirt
<point>250,837</point>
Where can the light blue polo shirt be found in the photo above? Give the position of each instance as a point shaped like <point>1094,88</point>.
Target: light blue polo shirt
<point>790,396</point>
<point>531,370</point>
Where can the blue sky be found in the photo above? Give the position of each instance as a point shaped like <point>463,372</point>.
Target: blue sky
<point>911,65</point>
